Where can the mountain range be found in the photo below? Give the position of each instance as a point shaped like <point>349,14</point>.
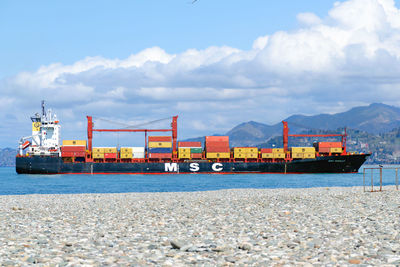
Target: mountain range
<point>374,119</point>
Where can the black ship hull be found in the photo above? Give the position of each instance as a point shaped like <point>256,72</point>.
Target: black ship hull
<point>327,164</point>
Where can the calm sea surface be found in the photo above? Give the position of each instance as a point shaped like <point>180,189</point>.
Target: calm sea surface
<point>12,183</point>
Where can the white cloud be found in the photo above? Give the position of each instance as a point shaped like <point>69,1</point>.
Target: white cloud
<point>329,64</point>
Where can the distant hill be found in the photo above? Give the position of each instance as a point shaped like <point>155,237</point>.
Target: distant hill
<point>7,157</point>
<point>374,119</point>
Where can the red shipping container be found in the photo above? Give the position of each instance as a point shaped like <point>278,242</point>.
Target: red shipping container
<point>266,150</point>
<point>189,144</point>
<point>217,139</point>
<point>324,149</point>
<point>160,155</point>
<point>220,149</point>
<point>79,154</point>
<point>329,144</point>
<point>110,155</point>
<point>196,155</point>
<point>73,148</point>
<point>67,154</point>
<point>212,143</point>
<point>160,139</point>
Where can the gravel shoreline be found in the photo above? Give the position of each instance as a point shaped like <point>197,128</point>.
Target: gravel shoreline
<point>256,227</point>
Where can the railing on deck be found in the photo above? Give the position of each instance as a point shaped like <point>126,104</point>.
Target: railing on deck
<point>381,169</point>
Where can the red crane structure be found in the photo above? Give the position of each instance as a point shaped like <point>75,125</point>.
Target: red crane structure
<point>174,130</point>
<point>286,137</point>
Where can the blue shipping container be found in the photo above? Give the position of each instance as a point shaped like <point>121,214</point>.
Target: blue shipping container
<point>160,150</point>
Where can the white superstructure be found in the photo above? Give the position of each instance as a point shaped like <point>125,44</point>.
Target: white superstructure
<point>45,138</point>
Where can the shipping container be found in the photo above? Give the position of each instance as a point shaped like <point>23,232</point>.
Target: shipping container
<point>160,144</point>
<point>218,149</point>
<point>239,155</point>
<point>184,150</point>
<point>196,155</point>
<point>217,139</point>
<point>160,155</point>
<point>138,155</point>
<point>189,144</point>
<point>266,150</point>
<point>252,155</point>
<point>279,155</point>
<point>303,149</point>
<point>110,150</point>
<point>245,150</point>
<point>267,155</point>
<point>196,150</point>
<point>218,155</point>
<point>297,155</point>
<point>98,155</point>
<point>212,144</point>
<point>277,150</point>
<point>324,150</point>
<point>125,150</point>
<point>138,149</point>
<point>309,155</point>
<point>336,150</point>
<point>126,155</point>
<point>73,148</point>
<point>98,150</point>
<point>74,143</point>
<point>184,155</point>
<point>329,144</point>
<point>160,139</point>
<point>160,150</point>
<point>110,155</point>
<point>67,154</point>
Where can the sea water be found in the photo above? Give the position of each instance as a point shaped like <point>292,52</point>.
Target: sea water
<point>12,183</point>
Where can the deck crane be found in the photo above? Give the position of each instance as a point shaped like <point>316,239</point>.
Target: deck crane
<point>173,130</point>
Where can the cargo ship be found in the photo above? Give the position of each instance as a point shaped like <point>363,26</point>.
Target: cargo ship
<point>44,153</point>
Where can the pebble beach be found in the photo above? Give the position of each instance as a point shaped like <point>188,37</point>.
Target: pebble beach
<point>245,227</point>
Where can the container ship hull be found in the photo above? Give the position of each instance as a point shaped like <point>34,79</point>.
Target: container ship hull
<point>325,164</point>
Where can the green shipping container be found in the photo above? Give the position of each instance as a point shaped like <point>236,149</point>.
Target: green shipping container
<point>196,150</point>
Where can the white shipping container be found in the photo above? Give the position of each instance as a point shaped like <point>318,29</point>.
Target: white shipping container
<point>138,149</point>
<point>138,155</point>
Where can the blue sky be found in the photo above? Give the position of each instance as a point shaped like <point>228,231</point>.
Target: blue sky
<point>38,33</point>
<point>213,63</point>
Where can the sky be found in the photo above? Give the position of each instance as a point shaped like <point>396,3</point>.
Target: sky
<point>213,63</point>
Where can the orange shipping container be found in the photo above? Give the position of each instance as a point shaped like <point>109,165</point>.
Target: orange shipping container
<point>217,139</point>
<point>160,139</point>
<point>329,144</point>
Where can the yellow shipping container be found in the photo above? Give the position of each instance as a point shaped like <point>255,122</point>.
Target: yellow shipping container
<point>277,150</point>
<point>279,155</point>
<point>239,150</point>
<point>245,150</point>
<point>297,155</point>
<point>98,155</point>
<point>267,155</point>
<point>110,150</point>
<point>74,142</point>
<point>252,150</point>
<point>184,155</point>
<point>303,150</point>
<point>218,155</point>
<point>336,150</point>
<point>184,150</point>
<point>160,144</point>
<point>309,155</point>
<point>125,150</point>
<point>126,155</point>
<point>239,155</point>
<point>98,150</point>
<point>252,155</point>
